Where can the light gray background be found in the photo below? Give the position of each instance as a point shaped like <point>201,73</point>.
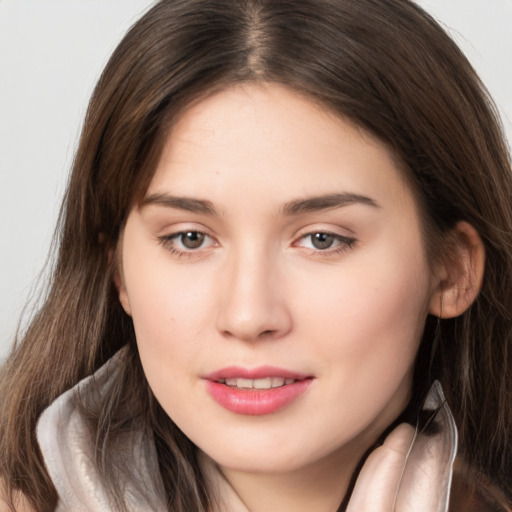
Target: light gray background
<point>51,54</point>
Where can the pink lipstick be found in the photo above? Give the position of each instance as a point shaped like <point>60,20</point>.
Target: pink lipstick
<point>256,391</point>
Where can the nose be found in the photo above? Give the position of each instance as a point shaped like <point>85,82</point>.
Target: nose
<point>253,302</point>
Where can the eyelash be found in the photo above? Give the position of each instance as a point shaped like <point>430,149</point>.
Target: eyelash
<point>169,243</point>
<point>344,243</point>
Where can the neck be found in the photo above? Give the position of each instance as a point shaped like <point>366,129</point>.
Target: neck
<point>320,486</point>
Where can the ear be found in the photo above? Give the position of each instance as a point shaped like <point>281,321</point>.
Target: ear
<point>115,255</point>
<point>461,273</point>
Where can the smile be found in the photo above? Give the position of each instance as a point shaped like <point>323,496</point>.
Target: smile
<point>258,391</point>
<point>266,383</point>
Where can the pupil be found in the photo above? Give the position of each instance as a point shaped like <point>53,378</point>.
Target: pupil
<point>322,240</point>
<point>192,239</point>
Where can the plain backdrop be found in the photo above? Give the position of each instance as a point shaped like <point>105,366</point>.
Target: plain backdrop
<point>51,54</point>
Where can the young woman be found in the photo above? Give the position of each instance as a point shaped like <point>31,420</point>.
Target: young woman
<point>284,275</point>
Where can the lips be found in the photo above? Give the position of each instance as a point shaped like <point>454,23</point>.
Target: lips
<point>256,391</point>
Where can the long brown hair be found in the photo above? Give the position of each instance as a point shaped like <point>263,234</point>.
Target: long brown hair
<point>385,65</point>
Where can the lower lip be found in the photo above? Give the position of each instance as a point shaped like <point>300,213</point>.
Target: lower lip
<point>256,402</point>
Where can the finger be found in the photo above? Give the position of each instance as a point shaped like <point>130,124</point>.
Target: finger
<point>377,484</point>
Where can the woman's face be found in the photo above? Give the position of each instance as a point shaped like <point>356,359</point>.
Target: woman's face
<point>277,280</point>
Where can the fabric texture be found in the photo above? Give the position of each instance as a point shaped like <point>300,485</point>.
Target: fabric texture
<point>68,450</point>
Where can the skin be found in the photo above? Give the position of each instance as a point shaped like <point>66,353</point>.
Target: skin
<point>256,291</point>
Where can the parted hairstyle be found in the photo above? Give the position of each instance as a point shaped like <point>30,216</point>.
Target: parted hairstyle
<point>386,66</point>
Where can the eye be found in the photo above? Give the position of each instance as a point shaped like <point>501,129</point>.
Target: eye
<point>190,239</point>
<point>321,241</point>
<point>186,242</point>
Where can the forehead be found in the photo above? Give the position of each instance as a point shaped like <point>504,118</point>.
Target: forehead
<point>271,139</point>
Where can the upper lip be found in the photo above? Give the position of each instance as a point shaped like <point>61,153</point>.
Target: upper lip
<point>261,372</point>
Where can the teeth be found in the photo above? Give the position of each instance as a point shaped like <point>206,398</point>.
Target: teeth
<point>266,383</point>
<point>262,383</point>
<point>277,382</point>
<point>244,383</point>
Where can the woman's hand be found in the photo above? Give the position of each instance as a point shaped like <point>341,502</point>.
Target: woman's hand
<point>377,485</point>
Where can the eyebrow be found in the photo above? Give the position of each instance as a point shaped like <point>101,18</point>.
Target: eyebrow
<point>326,202</point>
<point>295,207</point>
<point>181,203</point>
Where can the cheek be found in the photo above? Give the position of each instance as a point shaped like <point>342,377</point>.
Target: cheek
<point>372,313</point>
<point>168,315</point>
<point>168,307</point>
<point>367,331</point>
